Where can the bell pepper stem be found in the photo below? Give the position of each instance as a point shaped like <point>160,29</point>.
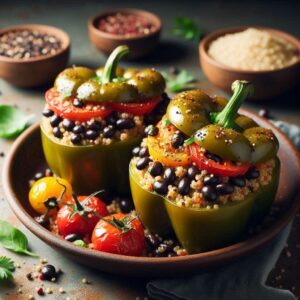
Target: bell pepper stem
<point>242,89</point>
<point>109,72</point>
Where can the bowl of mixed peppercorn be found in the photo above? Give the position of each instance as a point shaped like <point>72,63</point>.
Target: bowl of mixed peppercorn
<point>138,29</point>
<point>32,55</point>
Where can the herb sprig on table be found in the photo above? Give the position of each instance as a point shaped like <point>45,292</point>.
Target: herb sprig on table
<point>6,268</point>
<point>12,121</point>
<point>183,80</point>
<point>186,28</point>
<point>13,239</point>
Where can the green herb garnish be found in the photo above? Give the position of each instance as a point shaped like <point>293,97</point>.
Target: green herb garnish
<point>189,141</point>
<point>186,28</point>
<point>6,268</point>
<point>166,122</point>
<point>12,121</point>
<point>13,239</point>
<point>80,243</point>
<point>182,81</point>
<point>64,96</point>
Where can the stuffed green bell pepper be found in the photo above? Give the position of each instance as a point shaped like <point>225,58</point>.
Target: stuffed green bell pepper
<point>94,118</point>
<point>207,172</point>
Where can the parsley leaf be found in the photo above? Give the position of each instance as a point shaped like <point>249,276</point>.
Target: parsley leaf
<point>12,121</point>
<point>182,81</point>
<point>13,239</point>
<point>189,141</point>
<point>186,28</point>
<point>6,268</point>
<point>80,243</point>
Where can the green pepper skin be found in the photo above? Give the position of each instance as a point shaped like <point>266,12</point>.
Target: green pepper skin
<point>91,168</point>
<point>203,229</point>
<point>189,111</point>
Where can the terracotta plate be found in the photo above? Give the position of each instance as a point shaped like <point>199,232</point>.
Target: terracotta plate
<point>26,155</point>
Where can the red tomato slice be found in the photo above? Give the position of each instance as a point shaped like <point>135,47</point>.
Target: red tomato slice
<point>136,108</point>
<point>227,168</point>
<point>65,109</point>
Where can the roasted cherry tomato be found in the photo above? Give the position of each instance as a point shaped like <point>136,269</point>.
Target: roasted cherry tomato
<point>136,108</point>
<point>126,238</point>
<point>64,108</point>
<point>46,188</point>
<point>226,168</point>
<point>82,222</point>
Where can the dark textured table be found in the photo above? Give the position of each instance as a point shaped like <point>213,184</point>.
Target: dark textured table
<point>72,16</point>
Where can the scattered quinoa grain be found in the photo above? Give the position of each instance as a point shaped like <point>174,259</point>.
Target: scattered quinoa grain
<point>61,290</point>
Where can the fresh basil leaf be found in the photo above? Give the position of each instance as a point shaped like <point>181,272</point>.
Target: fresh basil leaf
<point>182,81</point>
<point>186,28</point>
<point>6,268</point>
<point>80,243</point>
<point>12,121</point>
<point>13,239</point>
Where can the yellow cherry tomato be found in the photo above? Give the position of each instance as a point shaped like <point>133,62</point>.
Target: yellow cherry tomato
<point>48,187</point>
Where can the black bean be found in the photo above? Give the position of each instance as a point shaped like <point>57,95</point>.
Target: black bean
<point>48,112</point>
<point>49,272</point>
<point>170,175</point>
<point>56,132</point>
<point>126,205</point>
<point>91,134</point>
<point>209,193</point>
<point>164,249</point>
<point>238,181</point>
<point>177,140</point>
<point>152,240</point>
<point>125,124</point>
<point>144,152</point>
<point>252,173</point>
<point>94,125</point>
<point>224,188</point>
<point>78,103</point>
<point>213,157</point>
<point>43,221</point>
<point>192,172</point>
<point>68,124</point>
<point>109,131</point>
<point>136,151</point>
<point>161,108</point>
<point>112,118</point>
<point>184,186</point>
<point>73,237</point>
<point>55,120</point>
<point>156,169</point>
<point>160,187</point>
<point>76,139</point>
<point>38,175</point>
<point>152,130</point>
<point>149,119</point>
<point>78,129</point>
<point>211,180</point>
<point>142,163</point>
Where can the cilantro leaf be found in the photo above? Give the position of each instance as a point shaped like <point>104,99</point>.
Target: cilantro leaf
<point>182,81</point>
<point>186,28</point>
<point>12,121</point>
<point>6,268</point>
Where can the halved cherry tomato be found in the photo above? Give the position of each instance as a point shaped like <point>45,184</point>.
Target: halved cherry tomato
<point>65,109</point>
<point>136,108</point>
<point>226,168</point>
<point>108,238</point>
<point>161,150</point>
<point>82,225</point>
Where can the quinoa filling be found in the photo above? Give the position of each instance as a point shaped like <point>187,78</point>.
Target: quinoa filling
<point>191,187</point>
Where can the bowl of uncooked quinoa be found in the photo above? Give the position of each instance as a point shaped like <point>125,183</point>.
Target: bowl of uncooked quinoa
<point>138,29</point>
<point>267,57</point>
<point>32,55</point>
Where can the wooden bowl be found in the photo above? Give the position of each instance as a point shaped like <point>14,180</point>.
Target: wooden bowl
<point>36,71</point>
<point>26,157</point>
<point>268,84</point>
<point>139,45</point>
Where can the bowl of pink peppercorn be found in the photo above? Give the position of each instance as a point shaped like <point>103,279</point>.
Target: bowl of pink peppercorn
<point>138,29</point>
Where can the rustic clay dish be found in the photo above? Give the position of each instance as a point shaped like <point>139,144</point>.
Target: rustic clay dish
<point>26,156</point>
<point>139,45</point>
<point>36,71</point>
<point>268,84</point>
